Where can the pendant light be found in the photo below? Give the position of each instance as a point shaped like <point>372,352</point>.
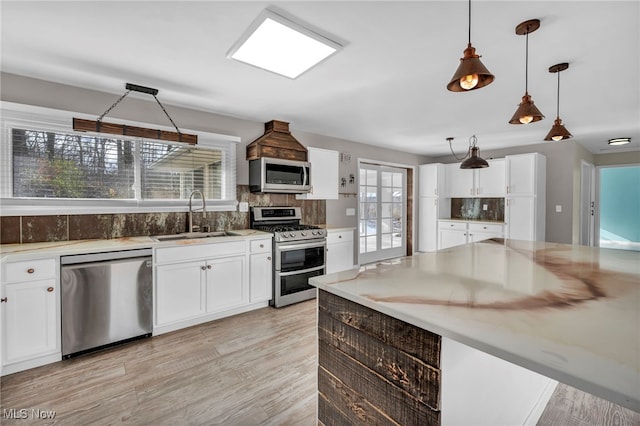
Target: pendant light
<point>558,132</point>
<point>527,112</point>
<point>471,73</point>
<point>471,159</point>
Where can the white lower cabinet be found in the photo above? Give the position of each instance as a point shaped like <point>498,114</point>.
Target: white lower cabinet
<point>217,280</point>
<point>339,250</point>
<point>451,234</point>
<point>455,233</point>
<point>30,315</point>
<point>520,214</point>
<point>260,271</point>
<point>226,283</point>
<point>179,292</point>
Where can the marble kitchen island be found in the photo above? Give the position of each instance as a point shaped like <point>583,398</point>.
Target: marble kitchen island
<point>478,333</point>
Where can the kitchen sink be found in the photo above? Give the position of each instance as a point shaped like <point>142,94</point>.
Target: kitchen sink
<point>189,236</point>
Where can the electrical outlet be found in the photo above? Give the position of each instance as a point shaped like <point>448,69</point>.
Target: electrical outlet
<point>243,207</point>
<point>558,208</point>
<point>485,207</point>
<point>351,212</point>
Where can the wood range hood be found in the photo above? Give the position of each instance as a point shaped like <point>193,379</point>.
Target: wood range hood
<point>277,142</point>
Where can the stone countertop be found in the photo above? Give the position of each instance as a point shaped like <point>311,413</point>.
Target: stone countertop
<point>493,222</point>
<point>30,251</point>
<point>569,312</point>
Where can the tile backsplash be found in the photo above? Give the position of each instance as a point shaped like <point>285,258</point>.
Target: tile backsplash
<point>473,209</point>
<point>31,229</point>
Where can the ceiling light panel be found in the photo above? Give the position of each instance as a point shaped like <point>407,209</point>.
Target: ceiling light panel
<point>279,45</point>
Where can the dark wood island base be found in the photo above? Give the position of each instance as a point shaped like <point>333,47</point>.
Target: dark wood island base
<point>374,369</point>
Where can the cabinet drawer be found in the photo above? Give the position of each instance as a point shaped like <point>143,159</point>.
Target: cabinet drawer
<point>486,227</point>
<point>258,246</point>
<point>461,226</point>
<point>30,270</point>
<point>198,251</point>
<point>339,237</point>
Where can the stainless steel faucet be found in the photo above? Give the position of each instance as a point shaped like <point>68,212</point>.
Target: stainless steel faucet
<point>191,210</point>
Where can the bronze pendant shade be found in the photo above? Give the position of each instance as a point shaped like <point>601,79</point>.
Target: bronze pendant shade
<point>558,132</point>
<point>471,73</point>
<point>474,162</point>
<point>527,112</point>
<point>471,160</point>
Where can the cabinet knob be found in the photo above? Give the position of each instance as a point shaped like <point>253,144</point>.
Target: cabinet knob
<point>3,300</point>
<point>49,289</point>
<point>208,266</point>
<point>204,268</point>
<point>30,271</point>
<point>339,236</point>
<point>269,258</point>
<point>261,245</point>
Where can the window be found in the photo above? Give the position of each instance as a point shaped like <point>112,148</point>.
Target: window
<point>52,166</point>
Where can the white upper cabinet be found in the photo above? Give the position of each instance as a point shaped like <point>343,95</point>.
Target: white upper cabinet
<point>432,179</point>
<point>324,175</point>
<point>459,182</point>
<point>490,181</point>
<point>524,172</point>
<point>468,183</point>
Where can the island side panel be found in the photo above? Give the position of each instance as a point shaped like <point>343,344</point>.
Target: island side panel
<point>374,369</point>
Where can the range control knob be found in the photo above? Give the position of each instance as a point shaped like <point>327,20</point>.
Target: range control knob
<point>304,234</point>
<point>314,232</point>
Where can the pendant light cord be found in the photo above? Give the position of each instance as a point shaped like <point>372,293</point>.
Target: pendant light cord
<point>469,22</point>
<point>526,65</point>
<point>558,98</point>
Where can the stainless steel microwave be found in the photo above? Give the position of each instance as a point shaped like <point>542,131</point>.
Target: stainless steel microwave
<point>278,175</point>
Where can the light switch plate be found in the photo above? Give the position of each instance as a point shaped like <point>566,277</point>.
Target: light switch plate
<point>558,208</point>
<point>485,207</point>
<point>243,207</point>
<point>351,212</point>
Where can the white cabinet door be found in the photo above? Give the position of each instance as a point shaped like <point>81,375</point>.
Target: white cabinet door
<point>260,276</point>
<point>428,223</point>
<point>226,283</point>
<point>339,250</point>
<point>520,218</point>
<point>521,174</point>
<point>30,320</point>
<point>459,182</point>
<point>324,175</point>
<point>432,177</point>
<point>179,291</point>
<point>491,181</point>
<point>484,231</point>
<point>451,238</point>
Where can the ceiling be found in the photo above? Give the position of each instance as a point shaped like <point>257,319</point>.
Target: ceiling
<point>386,87</point>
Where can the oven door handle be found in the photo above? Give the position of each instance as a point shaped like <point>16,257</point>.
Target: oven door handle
<point>301,246</point>
<point>298,272</point>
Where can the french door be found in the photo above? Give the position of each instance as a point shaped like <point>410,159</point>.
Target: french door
<point>382,209</point>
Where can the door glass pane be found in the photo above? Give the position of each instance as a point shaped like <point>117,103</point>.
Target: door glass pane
<point>386,194</point>
<point>386,241</point>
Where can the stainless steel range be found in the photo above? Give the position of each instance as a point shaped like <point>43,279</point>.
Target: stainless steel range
<point>298,252</point>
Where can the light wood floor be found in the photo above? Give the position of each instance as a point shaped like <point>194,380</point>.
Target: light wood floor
<point>257,368</point>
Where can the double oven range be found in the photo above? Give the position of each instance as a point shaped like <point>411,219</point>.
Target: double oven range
<point>298,252</point>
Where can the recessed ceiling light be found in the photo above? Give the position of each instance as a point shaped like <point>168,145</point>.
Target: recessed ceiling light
<point>619,141</point>
<point>279,45</point>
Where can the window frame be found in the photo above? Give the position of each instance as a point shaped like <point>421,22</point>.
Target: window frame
<point>13,115</point>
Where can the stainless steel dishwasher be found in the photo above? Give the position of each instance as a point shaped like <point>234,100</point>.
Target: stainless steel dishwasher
<point>106,298</point>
